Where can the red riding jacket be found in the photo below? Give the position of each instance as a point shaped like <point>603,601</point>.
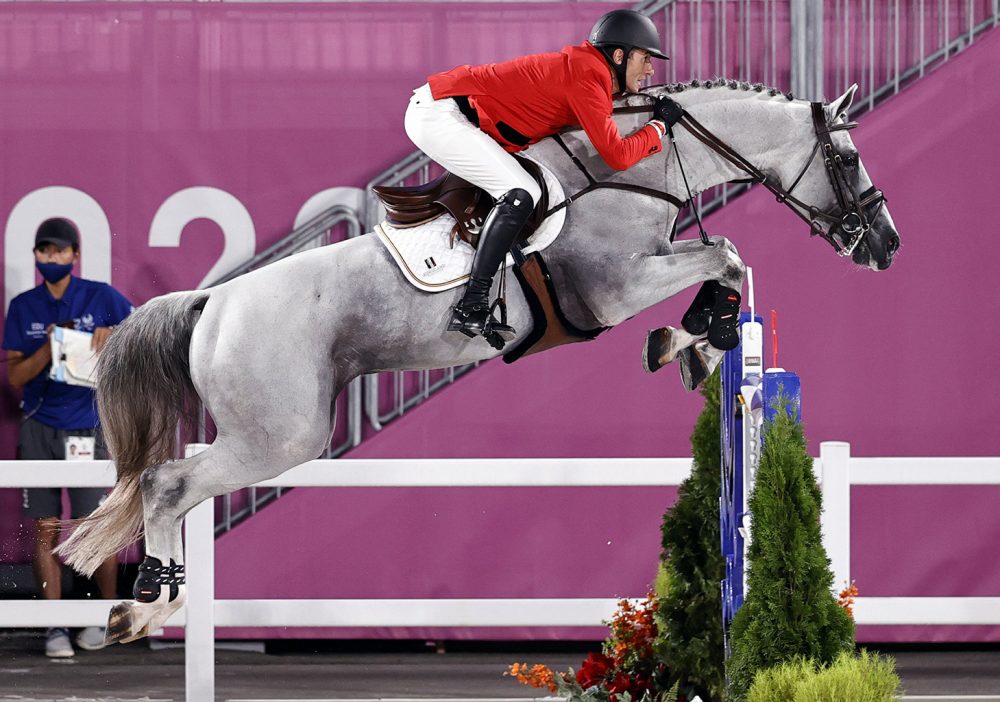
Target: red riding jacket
<point>538,95</point>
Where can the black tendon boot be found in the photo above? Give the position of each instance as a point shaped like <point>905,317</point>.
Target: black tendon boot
<point>723,330</point>
<point>504,223</point>
<point>699,314</point>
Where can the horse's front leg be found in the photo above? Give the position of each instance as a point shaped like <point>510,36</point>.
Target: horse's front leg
<point>714,313</point>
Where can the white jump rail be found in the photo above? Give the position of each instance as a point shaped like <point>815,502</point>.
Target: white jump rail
<point>835,468</point>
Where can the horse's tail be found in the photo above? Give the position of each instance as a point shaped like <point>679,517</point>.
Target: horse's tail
<point>143,388</point>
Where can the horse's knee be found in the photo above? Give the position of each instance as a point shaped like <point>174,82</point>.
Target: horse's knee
<point>733,269</point>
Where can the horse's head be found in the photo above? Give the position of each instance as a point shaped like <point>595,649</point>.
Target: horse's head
<point>842,204</point>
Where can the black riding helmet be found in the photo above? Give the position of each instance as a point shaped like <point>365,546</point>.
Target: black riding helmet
<point>626,30</point>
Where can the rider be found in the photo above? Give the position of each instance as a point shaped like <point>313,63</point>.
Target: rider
<point>472,118</point>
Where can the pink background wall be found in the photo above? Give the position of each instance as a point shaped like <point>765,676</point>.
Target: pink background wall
<point>881,364</point>
<point>132,103</point>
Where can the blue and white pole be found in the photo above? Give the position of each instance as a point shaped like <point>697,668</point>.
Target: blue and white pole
<point>749,399</point>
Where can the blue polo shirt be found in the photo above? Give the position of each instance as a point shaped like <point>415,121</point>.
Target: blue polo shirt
<point>86,303</point>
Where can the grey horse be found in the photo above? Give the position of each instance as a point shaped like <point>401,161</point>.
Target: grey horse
<point>269,352</point>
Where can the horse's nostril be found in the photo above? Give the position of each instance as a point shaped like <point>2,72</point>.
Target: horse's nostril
<point>893,245</point>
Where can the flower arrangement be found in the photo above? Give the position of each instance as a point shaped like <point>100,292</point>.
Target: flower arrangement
<point>626,670</point>
<point>846,598</point>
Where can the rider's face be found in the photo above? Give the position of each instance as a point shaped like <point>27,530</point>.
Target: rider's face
<point>638,69</point>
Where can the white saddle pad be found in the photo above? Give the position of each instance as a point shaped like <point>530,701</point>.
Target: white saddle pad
<point>429,261</point>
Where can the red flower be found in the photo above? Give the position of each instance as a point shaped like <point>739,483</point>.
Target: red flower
<point>642,682</point>
<point>620,683</point>
<point>593,670</point>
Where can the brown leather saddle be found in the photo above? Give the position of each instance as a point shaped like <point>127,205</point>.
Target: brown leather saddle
<point>409,206</point>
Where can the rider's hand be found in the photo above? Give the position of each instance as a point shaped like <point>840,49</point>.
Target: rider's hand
<point>668,111</point>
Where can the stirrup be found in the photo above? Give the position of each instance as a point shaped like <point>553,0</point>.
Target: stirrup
<point>496,331</point>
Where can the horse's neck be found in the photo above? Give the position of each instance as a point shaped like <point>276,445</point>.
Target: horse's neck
<point>770,134</point>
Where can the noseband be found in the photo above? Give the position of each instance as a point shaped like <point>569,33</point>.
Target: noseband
<point>843,226</point>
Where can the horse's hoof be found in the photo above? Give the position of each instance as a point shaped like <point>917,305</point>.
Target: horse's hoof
<point>123,624</point>
<point>650,352</point>
<point>692,367</point>
<point>659,349</point>
<point>129,621</point>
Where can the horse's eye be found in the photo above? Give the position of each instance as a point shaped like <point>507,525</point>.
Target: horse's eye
<point>851,161</point>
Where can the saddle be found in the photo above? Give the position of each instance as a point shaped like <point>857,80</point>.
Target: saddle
<point>412,205</point>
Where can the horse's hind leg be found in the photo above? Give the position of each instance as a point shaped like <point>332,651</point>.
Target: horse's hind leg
<point>170,490</point>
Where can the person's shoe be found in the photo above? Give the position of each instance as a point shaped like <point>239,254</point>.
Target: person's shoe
<point>57,644</point>
<point>91,638</point>
<point>469,316</point>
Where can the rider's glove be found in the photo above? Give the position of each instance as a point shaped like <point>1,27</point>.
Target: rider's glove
<point>667,111</point>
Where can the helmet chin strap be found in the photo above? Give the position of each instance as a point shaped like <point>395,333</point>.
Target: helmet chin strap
<point>617,68</point>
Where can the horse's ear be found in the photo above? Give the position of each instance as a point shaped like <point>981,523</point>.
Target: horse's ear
<point>841,105</point>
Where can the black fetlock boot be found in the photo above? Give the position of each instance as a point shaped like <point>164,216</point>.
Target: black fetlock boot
<point>724,329</point>
<point>699,314</point>
<point>471,316</point>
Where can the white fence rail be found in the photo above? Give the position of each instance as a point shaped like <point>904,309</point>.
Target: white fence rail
<point>835,469</point>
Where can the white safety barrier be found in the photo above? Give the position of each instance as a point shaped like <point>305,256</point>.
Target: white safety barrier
<point>835,468</point>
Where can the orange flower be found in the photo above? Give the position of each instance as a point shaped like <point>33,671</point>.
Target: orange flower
<point>846,598</point>
<point>536,676</point>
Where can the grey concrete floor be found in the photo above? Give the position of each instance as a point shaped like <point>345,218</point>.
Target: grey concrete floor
<point>135,672</point>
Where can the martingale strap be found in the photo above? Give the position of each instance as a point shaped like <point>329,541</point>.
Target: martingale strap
<point>593,184</point>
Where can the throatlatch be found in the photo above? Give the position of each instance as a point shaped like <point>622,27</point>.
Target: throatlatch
<point>153,575</point>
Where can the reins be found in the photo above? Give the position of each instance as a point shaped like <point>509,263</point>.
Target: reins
<point>851,218</point>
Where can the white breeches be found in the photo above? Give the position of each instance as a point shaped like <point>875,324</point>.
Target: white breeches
<point>440,130</point>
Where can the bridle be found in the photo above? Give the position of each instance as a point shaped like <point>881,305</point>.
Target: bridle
<point>851,214</point>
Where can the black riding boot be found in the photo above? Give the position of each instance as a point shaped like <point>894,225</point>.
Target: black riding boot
<point>500,231</point>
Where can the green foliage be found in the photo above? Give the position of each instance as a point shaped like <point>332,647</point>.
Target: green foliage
<point>859,678</point>
<point>779,684</point>
<point>690,613</point>
<point>789,611</point>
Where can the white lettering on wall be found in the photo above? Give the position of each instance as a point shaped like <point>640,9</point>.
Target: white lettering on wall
<point>217,205</point>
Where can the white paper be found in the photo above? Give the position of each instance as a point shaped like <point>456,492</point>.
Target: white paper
<point>73,360</point>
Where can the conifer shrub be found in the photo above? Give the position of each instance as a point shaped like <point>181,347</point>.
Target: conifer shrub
<point>690,612</point>
<point>865,677</point>
<point>789,611</point>
<point>778,684</point>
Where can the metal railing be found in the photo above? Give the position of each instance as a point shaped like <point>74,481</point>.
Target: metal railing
<point>814,48</point>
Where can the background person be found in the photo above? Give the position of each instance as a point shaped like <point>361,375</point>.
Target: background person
<point>52,411</point>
